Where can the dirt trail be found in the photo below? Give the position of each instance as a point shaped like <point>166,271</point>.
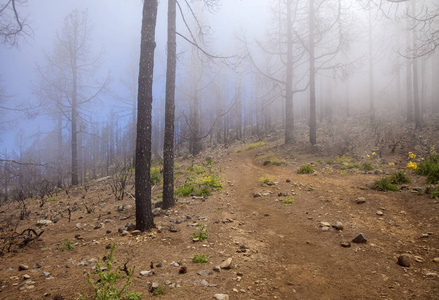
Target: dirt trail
<point>301,261</point>
<point>278,249</point>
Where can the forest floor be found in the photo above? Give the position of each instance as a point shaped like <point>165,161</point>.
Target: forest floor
<point>273,234</point>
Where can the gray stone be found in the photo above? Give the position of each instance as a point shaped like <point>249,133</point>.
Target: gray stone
<point>380,213</point>
<point>325,228</point>
<point>345,244</point>
<point>173,228</point>
<point>360,200</point>
<point>360,239</point>
<point>43,222</point>
<point>338,225</point>
<point>257,195</point>
<point>156,212</point>
<point>45,274</point>
<point>324,224</point>
<point>146,273</point>
<point>404,260</point>
<point>124,207</point>
<point>204,283</point>
<point>217,268</point>
<point>23,267</point>
<point>221,296</point>
<point>204,273</point>
<point>227,264</point>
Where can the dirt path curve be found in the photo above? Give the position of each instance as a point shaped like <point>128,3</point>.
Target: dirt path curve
<point>295,259</point>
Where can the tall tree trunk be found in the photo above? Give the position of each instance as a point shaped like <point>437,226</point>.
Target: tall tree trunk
<point>289,113</point>
<point>312,78</point>
<point>75,179</point>
<point>371,86</point>
<point>416,101</point>
<point>168,148</point>
<point>59,150</point>
<point>144,218</point>
<point>409,79</point>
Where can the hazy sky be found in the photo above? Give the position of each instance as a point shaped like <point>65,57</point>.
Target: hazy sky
<point>116,32</point>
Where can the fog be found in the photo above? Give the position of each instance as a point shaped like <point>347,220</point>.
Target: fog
<point>362,50</point>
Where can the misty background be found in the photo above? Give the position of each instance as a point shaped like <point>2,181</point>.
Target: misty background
<point>371,60</point>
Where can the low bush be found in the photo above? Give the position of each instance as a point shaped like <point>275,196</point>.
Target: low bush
<point>305,169</point>
<point>399,177</point>
<point>385,184</point>
<point>200,259</point>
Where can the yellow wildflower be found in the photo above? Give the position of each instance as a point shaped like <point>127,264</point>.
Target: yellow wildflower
<point>391,164</point>
<point>412,165</point>
<point>368,155</point>
<point>412,155</point>
<point>373,153</point>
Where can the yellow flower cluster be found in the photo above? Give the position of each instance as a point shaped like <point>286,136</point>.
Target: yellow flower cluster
<point>373,153</point>
<point>412,165</point>
<point>391,164</point>
<point>412,155</point>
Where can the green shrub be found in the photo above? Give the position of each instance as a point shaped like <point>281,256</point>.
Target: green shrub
<point>433,192</point>
<point>68,245</point>
<point>385,184</point>
<point>156,177</point>
<point>52,199</point>
<point>399,177</point>
<point>200,259</point>
<point>366,166</point>
<point>289,200</point>
<point>200,186</point>
<point>202,233</point>
<point>344,158</point>
<point>350,166</point>
<point>305,169</point>
<point>429,167</point>
<point>106,286</point>
<point>266,179</point>
<point>196,169</point>
<point>253,146</point>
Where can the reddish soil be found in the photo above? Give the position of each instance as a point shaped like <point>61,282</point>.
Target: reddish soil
<point>278,250</point>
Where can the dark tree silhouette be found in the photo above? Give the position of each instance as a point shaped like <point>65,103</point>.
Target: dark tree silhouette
<point>144,218</point>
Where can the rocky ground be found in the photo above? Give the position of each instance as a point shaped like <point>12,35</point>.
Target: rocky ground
<point>325,235</point>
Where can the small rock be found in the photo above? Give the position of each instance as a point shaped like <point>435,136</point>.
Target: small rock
<point>153,286</point>
<point>418,259</point>
<point>173,228</point>
<point>204,273</point>
<point>325,228</point>
<point>9,268</point>
<point>175,264</point>
<point>360,239</point>
<point>227,264</point>
<point>324,224</point>
<point>23,267</point>
<point>108,231</point>
<point>41,223</point>
<point>379,213</point>
<point>156,212</point>
<point>424,236</point>
<point>338,225</point>
<point>431,274</point>
<point>221,296</point>
<point>345,244</point>
<point>218,268</point>
<point>204,283</point>
<point>26,276</point>
<point>404,260</point>
<point>436,259</point>
<point>159,265</point>
<point>124,207</point>
<point>146,273</point>
<point>45,274</point>
<point>257,195</point>
<point>287,180</point>
<point>360,200</point>
<point>136,232</point>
